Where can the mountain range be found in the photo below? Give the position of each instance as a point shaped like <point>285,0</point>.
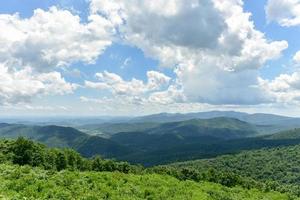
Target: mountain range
<point>265,123</point>
<point>151,142</point>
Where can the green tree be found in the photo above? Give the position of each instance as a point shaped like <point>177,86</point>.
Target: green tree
<point>61,161</point>
<point>27,152</point>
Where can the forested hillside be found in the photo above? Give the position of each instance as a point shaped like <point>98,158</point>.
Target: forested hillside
<point>289,134</point>
<point>279,166</point>
<point>269,123</point>
<point>25,182</point>
<point>163,144</point>
<point>29,170</point>
<point>58,136</point>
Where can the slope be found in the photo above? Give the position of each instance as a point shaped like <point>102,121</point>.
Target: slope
<point>280,165</point>
<point>24,182</point>
<point>289,134</point>
<point>57,136</point>
<point>267,123</point>
<point>221,127</point>
<point>64,174</point>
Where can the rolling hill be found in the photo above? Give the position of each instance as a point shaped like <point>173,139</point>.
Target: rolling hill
<point>221,127</point>
<point>265,123</point>
<point>108,129</point>
<point>256,118</point>
<point>279,165</point>
<point>289,134</point>
<point>57,136</point>
<point>199,150</point>
<point>162,144</point>
<point>234,128</point>
<point>183,135</point>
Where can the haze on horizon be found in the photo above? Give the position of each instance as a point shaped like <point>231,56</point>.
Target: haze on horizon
<point>132,58</point>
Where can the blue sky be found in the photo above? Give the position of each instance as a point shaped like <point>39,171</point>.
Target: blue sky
<point>274,31</point>
<point>101,57</point>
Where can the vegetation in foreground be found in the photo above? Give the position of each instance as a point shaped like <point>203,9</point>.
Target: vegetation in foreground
<point>17,182</point>
<point>32,171</point>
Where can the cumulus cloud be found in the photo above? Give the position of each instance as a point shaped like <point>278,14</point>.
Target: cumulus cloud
<point>157,90</point>
<point>168,29</point>
<point>212,45</point>
<point>52,38</point>
<point>285,88</point>
<point>21,85</point>
<point>134,87</point>
<point>33,48</point>
<point>156,80</point>
<point>169,96</point>
<point>213,86</point>
<point>284,12</point>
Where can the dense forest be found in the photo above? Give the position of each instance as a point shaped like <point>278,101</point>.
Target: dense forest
<point>277,167</point>
<point>33,171</point>
<point>34,183</point>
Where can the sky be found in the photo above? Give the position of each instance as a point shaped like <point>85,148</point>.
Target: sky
<point>110,57</point>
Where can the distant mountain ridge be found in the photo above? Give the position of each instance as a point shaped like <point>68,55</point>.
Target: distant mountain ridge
<point>156,143</point>
<point>256,118</point>
<point>226,128</point>
<point>265,123</point>
<point>104,126</point>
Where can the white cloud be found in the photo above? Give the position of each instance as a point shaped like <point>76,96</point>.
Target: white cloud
<point>296,57</point>
<point>285,88</point>
<point>156,80</point>
<point>157,90</point>
<point>134,87</point>
<point>94,85</point>
<point>110,9</point>
<point>33,48</point>
<point>138,105</point>
<point>213,86</point>
<point>284,12</point>
<point>173,31</point>
<point>21,85</point>
<point>52,38</point>
<point>212,45</point>
<point>170,96</point>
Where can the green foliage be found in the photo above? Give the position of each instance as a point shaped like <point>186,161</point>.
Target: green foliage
<point>277,168</point>
<point>63,173</point>
<point>228,179</point>
<point>26,152</point>
<point>24,182</point>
